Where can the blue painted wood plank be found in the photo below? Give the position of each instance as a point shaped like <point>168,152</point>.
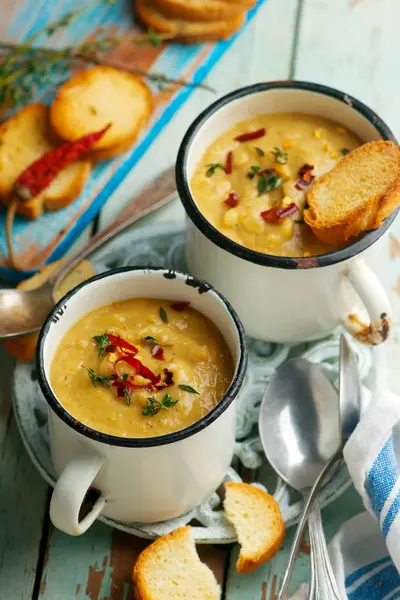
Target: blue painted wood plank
<point>23,503</point>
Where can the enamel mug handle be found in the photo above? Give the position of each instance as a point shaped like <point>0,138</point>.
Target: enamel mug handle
<point>69,494</point>
<point>376,303</point>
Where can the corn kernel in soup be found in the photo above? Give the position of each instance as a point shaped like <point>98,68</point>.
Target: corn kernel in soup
<point>141,368</point>
<point>274,160</point>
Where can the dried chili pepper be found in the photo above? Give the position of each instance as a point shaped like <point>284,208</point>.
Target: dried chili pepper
<point>139,368</point>
<point>229,163</point>
<point>251,135</point>
<point>42,171</point>
<point>121,344</point>
<point>275,214</point>
<point>305,177</point>
<point>232,200</point>
<point>179,306</point>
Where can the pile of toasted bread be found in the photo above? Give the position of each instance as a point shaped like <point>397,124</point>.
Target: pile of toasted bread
<point>170,567</point>
<point>86,103</point>
<point>192,21</point>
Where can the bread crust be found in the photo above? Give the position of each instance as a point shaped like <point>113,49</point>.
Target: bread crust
<point>32,125</point>
<point>363,218</point>
<point>92,99</point>
<point>204,10</point>
<point>184,30</point>
<point>247,563</point>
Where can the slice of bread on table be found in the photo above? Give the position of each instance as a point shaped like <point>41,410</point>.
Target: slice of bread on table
<point>23,139</point>
<point>23,347</point>
<point>170,568</point>
<point>258,522</point>
<point>96,97</point>
<point>186,30</point>
<point>357,194</point>
<point>200,10</point>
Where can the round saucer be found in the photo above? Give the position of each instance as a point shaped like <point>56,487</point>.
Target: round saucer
<point>163,245</point>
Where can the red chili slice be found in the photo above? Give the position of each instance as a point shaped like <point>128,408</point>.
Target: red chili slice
<point>140,368</point>
<point>275,214</point>
<point>117,341</point>
<point>157,352</point>
<point>252,135</point>
<point>305,177</point>
<point>228,164</point>
<point>166,380</point>
<point>232,200</point>
<point>179,306</point>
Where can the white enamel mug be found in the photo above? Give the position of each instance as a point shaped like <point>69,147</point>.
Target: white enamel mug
<point>284,299</point>
<point>137,479</point>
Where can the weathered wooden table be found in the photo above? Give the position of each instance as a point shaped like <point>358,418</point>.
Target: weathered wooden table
<point>349,44</point>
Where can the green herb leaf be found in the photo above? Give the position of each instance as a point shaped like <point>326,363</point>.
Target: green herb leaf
<point>259,151</point>
<point>254,169</point>
<point>163,315</point>
<point>212,167</point>
<point>187,388</point>
<point>98,379</point>
<point>268,181</point>
<point>280,157</point>
<point>154,406</point>
<point>102,342</point>
<point>344,151</point>
<point>150,338</point>
<point>125,377</point>
<point>127,396</point>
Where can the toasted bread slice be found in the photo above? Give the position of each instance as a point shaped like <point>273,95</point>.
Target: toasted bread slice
<point>357,194</point>
<point>258,522</point>
<point>96,97</point>
<point>170,568</point>
<point>108,153</point>
<point>200,10</point>
<point>23,347</point>
<point>186,30</point>
<point>23,139</point>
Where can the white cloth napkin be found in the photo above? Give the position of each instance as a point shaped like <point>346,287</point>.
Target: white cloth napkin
<point>366,551</point>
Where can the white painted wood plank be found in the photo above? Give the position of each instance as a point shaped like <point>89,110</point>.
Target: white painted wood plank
<point>353,45</point>
<point>262,52</point>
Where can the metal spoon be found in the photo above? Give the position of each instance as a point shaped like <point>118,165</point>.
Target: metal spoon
<point>300,432</point>
<point>24,311</point>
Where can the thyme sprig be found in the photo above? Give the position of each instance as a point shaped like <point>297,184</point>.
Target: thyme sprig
<point>154,406</point>
<point>98,379</point>
<point>26,68</point>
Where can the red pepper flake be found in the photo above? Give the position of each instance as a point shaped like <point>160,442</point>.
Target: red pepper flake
<point>121,344</point>
<point>228,164</point>
<point>42,171</point>
<point>252,135</point>
<point>165,379</point>
<point>180,306</point>
<point>157,352</point>
<point>232,200</point>
<point>275,214</point>
<point>305,177</point>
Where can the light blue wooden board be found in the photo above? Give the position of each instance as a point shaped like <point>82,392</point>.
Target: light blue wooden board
<point>23,502</point>
<point>175,61</point>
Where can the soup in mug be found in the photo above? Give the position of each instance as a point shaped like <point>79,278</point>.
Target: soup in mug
<point>141,368</point>
<point>251,184</point>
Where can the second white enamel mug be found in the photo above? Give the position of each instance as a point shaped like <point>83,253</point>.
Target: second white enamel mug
<point>284,299</point>
<point>137,479</point>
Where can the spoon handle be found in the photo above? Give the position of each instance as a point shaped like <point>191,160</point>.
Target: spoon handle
<point>283,592</point>
<point>325,583</point>
<point>159,192</point>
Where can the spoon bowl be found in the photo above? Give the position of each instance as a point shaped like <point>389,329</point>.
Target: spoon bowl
<point>23,311</point>
<point>299,422</point>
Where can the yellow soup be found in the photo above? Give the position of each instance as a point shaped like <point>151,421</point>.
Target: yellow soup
<point>258,199</point>
<point>141,368</point>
